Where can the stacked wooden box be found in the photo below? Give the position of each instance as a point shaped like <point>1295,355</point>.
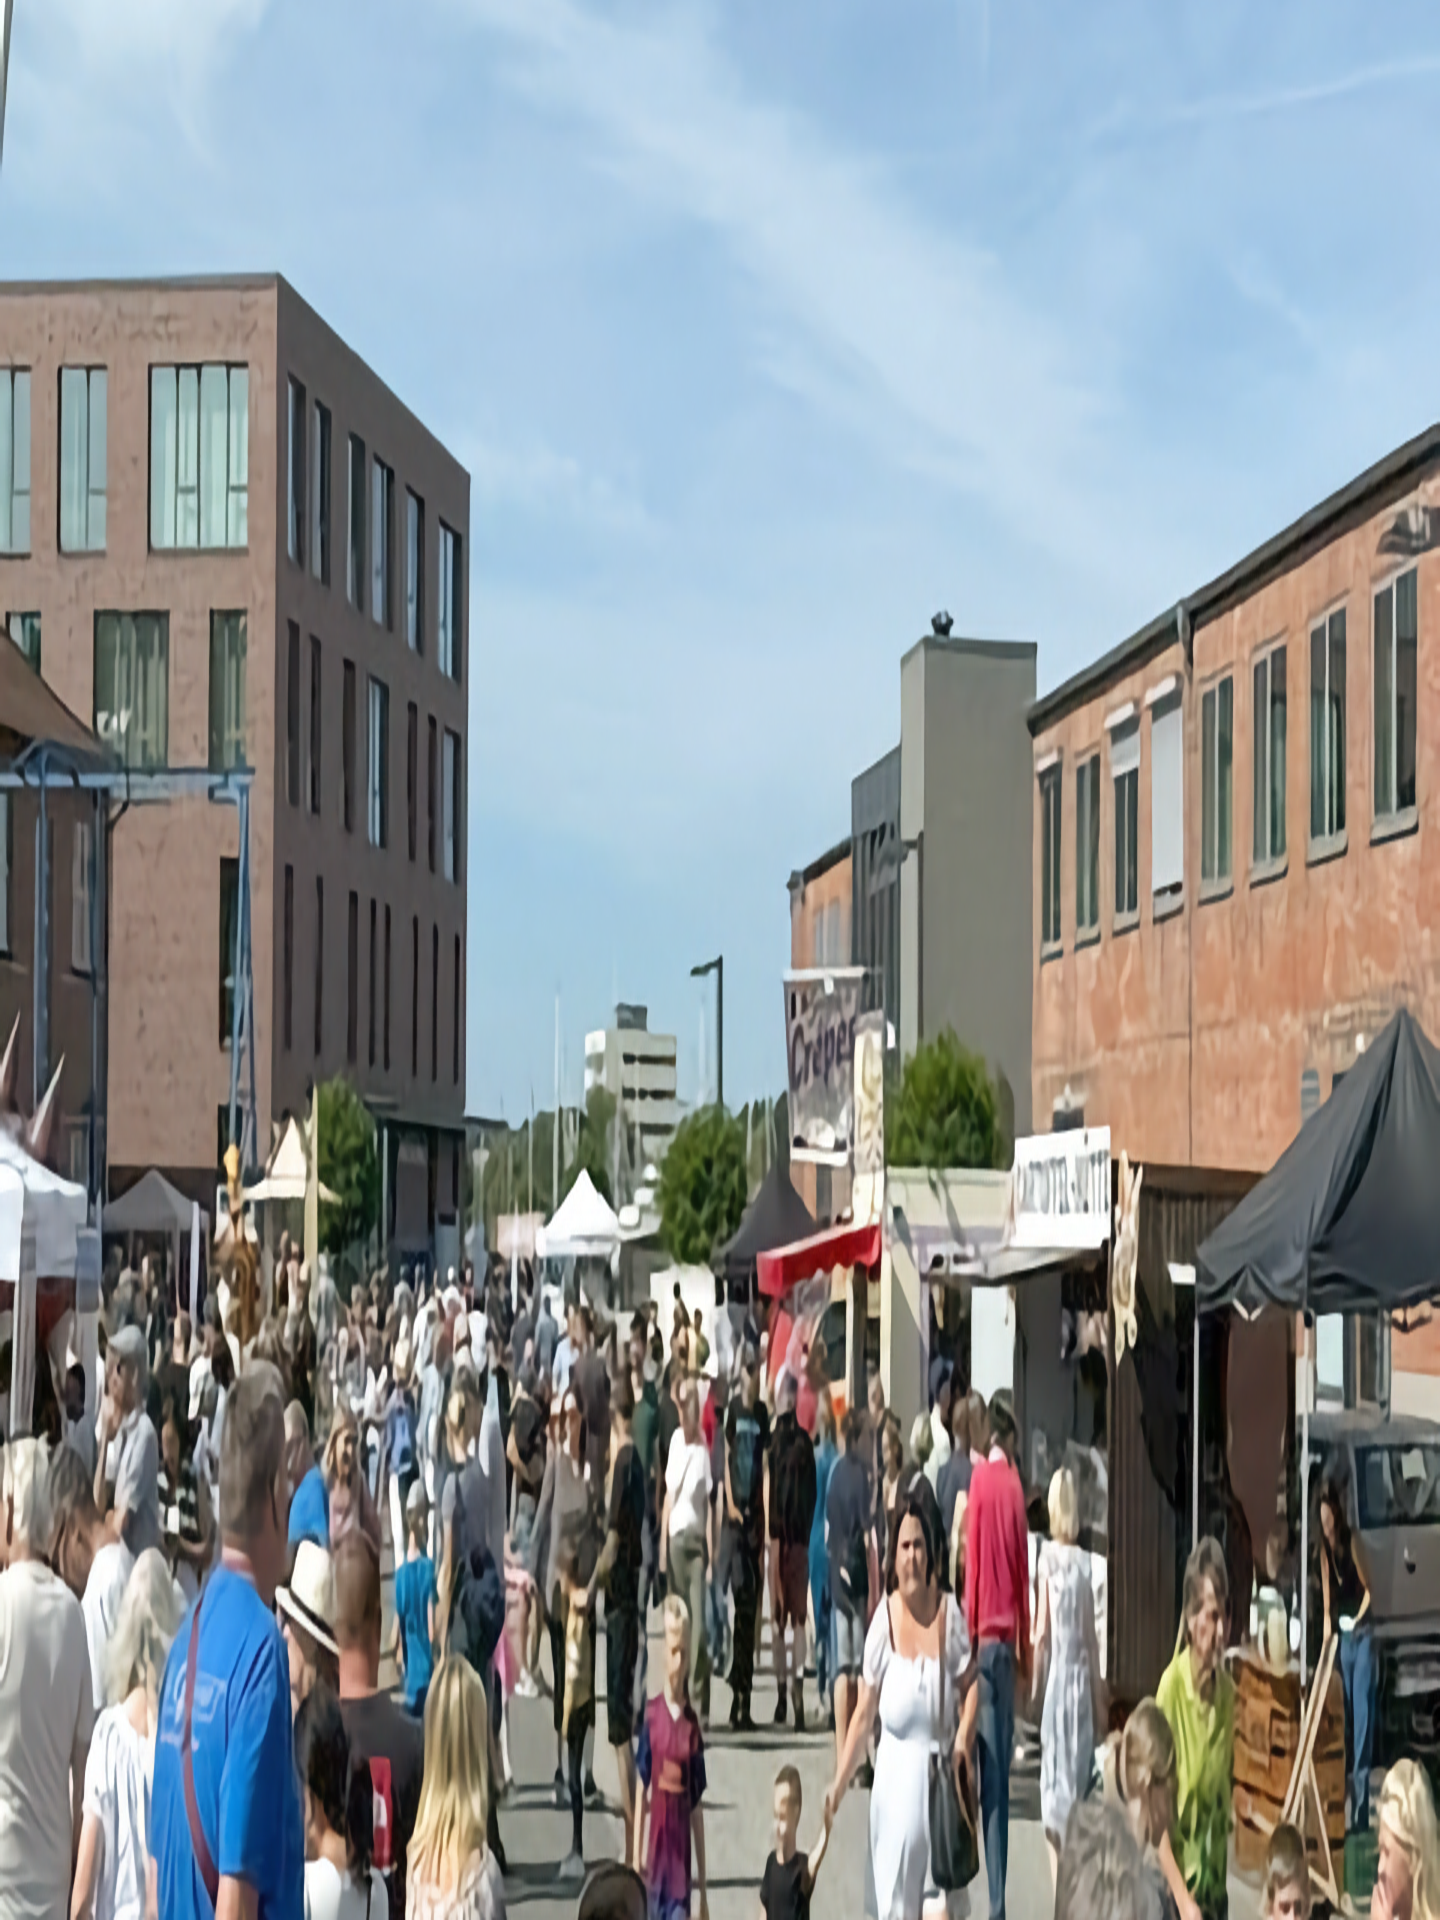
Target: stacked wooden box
<point>1267,1733</point>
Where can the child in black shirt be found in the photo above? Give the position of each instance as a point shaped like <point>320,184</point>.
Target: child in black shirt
<point>790,1876</point>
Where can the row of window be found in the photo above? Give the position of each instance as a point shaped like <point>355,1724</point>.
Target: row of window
<point>199,488</point>
<point>1395,623</point>
<point>82,885</point>
<point>380,970</point>
<point>307,520</point>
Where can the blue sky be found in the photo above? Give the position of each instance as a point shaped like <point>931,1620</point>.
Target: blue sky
<point>765,330</point>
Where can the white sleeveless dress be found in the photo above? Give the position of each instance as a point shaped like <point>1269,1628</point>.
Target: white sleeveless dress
<point>1067,1725</point>
<point>900,1887</point>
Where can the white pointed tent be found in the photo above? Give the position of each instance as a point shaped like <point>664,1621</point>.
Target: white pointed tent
<point>285,1175</point>
<point>583,1226</point>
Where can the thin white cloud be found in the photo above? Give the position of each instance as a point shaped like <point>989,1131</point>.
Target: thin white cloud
<point>537,479</point>
<point>1279,100</point>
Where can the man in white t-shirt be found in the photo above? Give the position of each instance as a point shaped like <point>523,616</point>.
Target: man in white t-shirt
<point>46,1710</point>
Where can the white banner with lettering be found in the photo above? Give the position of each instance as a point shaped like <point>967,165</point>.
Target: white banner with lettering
<point>1062,1189</point>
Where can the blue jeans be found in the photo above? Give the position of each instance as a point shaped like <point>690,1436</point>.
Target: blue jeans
<point>1358,1675</point>
<point>820,1599</point>
<point>995,1729</point>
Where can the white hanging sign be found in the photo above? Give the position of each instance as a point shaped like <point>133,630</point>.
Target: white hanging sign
<point>1062,1189</point>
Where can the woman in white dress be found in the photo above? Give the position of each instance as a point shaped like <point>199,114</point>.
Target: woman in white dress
<point>1074,1695</point>
<point>917,1652</point>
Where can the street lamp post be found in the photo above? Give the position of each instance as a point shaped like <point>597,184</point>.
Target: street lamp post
<point>717,967</point>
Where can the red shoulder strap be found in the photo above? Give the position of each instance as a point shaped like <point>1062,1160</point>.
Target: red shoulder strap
<point>203,1858</point>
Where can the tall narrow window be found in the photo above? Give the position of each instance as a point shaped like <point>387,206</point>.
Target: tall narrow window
<point>1167,795</point>
<point>374,977</point>
<point>347,748</point>
<point>82,459</point>
<point>132,686</point>
<point>229,921</point>
<point>1327,726</point>
<point>352,980</point>
<point>320,497</point>
<point>292,713</point>
<point>1217,728</point>
<point>7,867</point>
<point>355,561</point>
<point>1268,767</point>
<point>414,572</point>
<point>447,619</point>
<point>434,1002</point>
<point>387,987</point>
<point>82,876</point>
<point>432,777</point>
<point>412,772</point>
<point>455,1017</point>
<point>1125,780</point>
<point>450,800</point>
<point>295,498</point>
<point>14,460</point>
<point>227,691</point>
<point>1050,857</point>
<point>382,514</point>
<point>319,962</point>
<point>287,996</point>
<point>1396,633</point>
<point>377,790</point>
<point>1087,845</point>
<point>199,456</point>
<point>415,997</point>
<point>316,724</point>
<point>24,630</point>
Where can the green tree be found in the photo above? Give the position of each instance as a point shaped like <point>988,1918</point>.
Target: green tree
<point>592,1148</point>
<point>702,1184</point>
<point>349,1166</point>
<point>945,1112</point>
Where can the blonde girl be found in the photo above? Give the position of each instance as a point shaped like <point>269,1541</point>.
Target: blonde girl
<point>452,1874</point>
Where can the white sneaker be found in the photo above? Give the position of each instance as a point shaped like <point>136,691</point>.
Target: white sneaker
<point>572,1867</point>
<point>525,1686</point>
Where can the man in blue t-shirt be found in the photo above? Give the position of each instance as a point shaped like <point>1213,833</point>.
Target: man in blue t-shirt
<point>251,1848</point>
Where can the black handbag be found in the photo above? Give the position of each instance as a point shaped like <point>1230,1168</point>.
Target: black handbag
<point>954,1839</point>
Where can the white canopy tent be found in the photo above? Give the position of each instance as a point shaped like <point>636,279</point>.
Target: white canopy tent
<point>584,1225</point>
<point>42,1220</point>
<point>285,1176</point>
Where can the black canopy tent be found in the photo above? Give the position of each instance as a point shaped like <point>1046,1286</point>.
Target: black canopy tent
<point>1348,1218</point>
<point>776,1217</point>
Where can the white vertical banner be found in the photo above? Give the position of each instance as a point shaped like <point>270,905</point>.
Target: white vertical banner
<point>992,1340</point>
<point>22,1339</point>
<point>195,1266</point>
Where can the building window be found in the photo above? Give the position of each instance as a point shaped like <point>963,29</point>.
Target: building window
<point>82,874</point>
<point>347,747</point>
<point>447,631</point>
<point>414,572</point>
<point>1327,726</point>
<point>7,867</point>
<point>24,630</point>
<point>377,787</point>
<point>352,980</point>
<point>316,712</point>
<point>82,459</point>
<point>374,975</point>
<point>412,773</point>
<point>455,1059</point>
<point>1125,777</point>
<point>227,691</point>
<point>431,776</point>
<point>132,686</point>
<point>199,456</point>
<point>451,802</point>
<point>387,989</point>
<point>1087,845</point>
<point>320,497</point>
<point>1167,796</point>
<point>1217,745</point>
<point>355,562</point>
<point>292,714</point>
<point>1396,634</point>
<point>382,513</point>
<point>229,922</point>
<point>415,997</point>
<point>319,961</point>
<point>1050,857</point>
<point>434,1002</point>
<point>1269,757</point>
<point>14,460</point>
<point>295,491</point>
<point>287,997</point>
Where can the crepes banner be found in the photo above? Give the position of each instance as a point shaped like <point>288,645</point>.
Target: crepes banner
<point>822,1007</point>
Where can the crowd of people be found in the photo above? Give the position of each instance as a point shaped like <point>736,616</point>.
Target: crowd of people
<point>191,1711</point>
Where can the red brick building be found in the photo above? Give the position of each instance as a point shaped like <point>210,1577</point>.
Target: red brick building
<point>1232,856</point>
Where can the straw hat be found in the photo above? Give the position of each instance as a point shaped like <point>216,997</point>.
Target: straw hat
<point>310,1597</point>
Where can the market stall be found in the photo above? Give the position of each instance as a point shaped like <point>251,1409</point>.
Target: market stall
<point>49,1268</point>
<point>776,1217</point>
<point>584,1229</point>
<point>839,1267</point>
<point>154,1209</point>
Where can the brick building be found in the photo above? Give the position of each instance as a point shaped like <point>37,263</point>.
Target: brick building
<point>1232,871</point>
<point>224,541</point>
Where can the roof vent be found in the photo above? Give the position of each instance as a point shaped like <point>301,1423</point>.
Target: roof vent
<point>940,625</point>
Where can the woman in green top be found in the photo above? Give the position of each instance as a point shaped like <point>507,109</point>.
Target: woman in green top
<point>1197,1697</point>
